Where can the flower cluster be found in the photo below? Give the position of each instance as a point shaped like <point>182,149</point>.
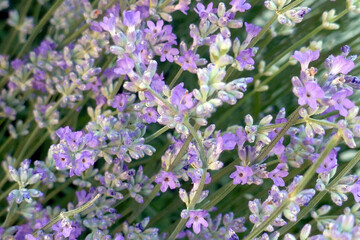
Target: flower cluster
<point>91,88</point>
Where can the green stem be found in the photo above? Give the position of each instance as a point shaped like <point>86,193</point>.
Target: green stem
<point>307,177</point>
<point>166,2</point>
<point>11,213</point>
<point>153,161</point>
<point>270,22</point>
<point>181,153</point>
<point>292,119</point>
<point>319,196</point>
<point>323,123</point>
<point>142,207</point>
<point>309,174</point>
<point>340,15</point>
<point>263,31</point>
<point>39,27</point>
<point>123,4</point>
<point>198,141</point>
<point>228,73</point>
<point>219,195</point>
<point>299,121</point>
<point>191,206</point>
<point>290,6</point>
<point>177,76</point>
<point>278,125</point>
<point>265,42</point>
<point>159,97</point>
<point>50,110</point>
<point>68,214</point>
<point>117,87</point>
<point>156,189</point>
<point>156,134</point>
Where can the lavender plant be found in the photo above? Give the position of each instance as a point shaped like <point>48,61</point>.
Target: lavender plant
<point>179,119</point>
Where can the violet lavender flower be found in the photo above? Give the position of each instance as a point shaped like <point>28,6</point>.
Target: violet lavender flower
<point>241,175</point>
<point>278,174</point>
<point>339,64</point>
<point>309,94</point>
<point>240,5</point>
<point>245,58</point>
<point>167,180</point>
<point>197,219</point>
<point>305,58</point>
<point>96,99</point>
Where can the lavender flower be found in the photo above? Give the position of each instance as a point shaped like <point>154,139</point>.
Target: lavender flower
<point>305,58</point>
<point>339,64</point>
<point>278,174</point>
<point>309,94</point>
<point>240,5</point>
<point>167,180</point>
<point>196,220</point>
<point>92,99</point>
<point>245,58</point>
<point>241,175</point>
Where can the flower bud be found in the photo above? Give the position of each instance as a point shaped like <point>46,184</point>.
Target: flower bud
<point>249,120</point>
<point>347,223</point>
<point>282,19</point>
<point>184,214</point>
<point>235,24</point>
<point>201,121</point>
<point>338,198</point>
<point>184,196</point>
<point>14,174</point>
<point>270,5</point>
<point>327,19</point>
<point>297,14</point>
<point>320,186</point>
<point>221,9</point>
<point>203,195</point>
<point>209,130</point>
<point>348,180</point>
<point>289,236</point>
<point>305,232</point>
<point>216,165</point>
<point>353,5</point>
<point>266,120</point>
